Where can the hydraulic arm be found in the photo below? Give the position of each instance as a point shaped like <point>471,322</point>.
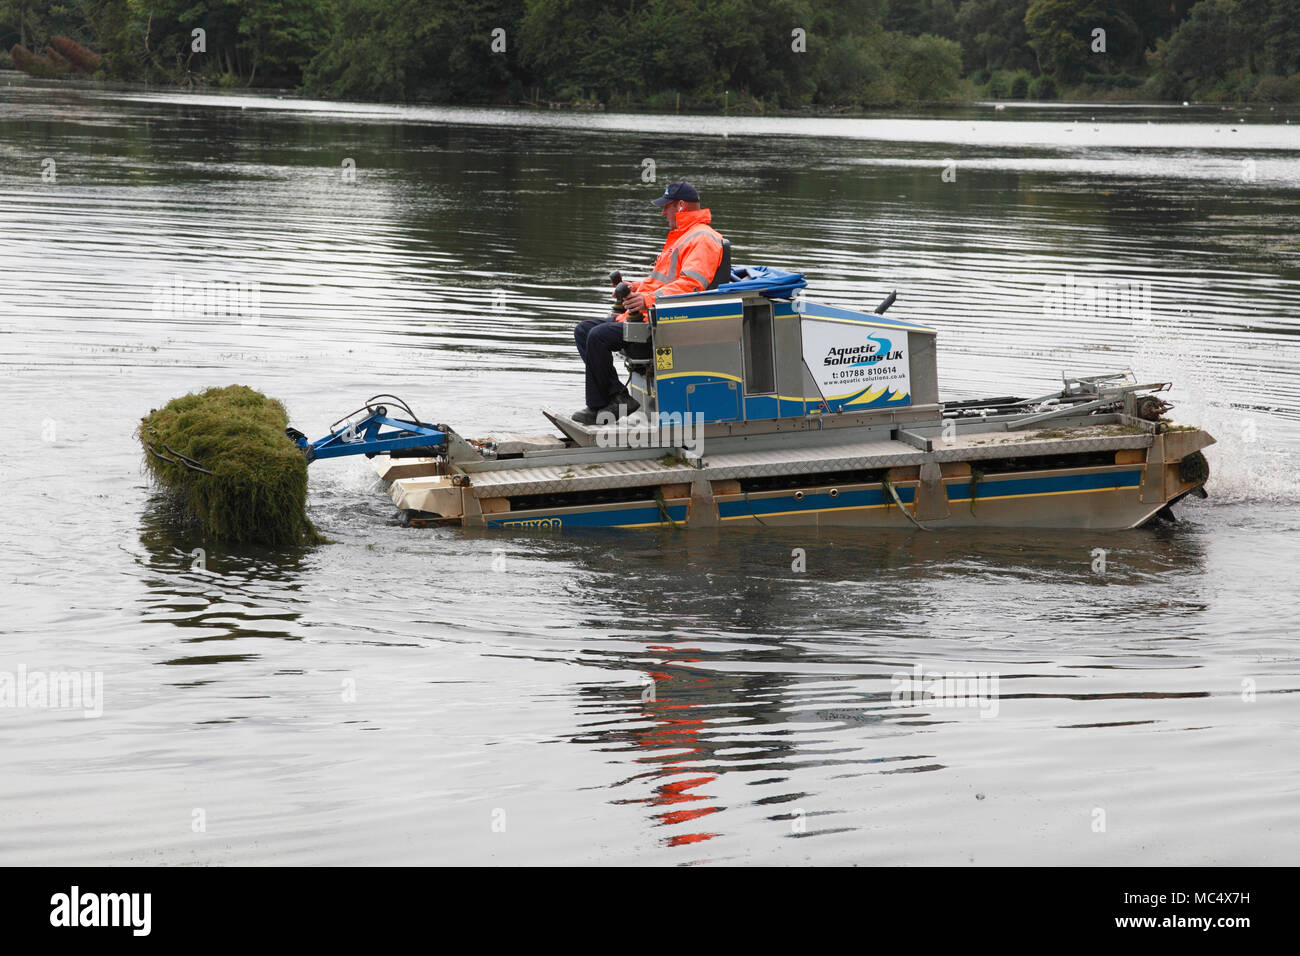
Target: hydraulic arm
<point>370,431</point>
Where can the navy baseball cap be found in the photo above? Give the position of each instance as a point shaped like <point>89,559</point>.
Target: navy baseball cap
<point>675,191</point>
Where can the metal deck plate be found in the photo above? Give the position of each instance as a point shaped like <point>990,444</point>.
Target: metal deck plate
<point>1002,444</point>
<point>512,443</point>
<point>836,456</point>
<point>582,434</point>
<point>840,456</point>
<point>548,479</point>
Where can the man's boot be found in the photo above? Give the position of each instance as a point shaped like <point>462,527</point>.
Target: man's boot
<point>621,405</point>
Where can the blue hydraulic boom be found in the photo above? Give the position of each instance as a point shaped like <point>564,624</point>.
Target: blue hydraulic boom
<point>351,435</point>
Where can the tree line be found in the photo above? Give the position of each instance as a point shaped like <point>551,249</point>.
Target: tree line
<point>743,55</point>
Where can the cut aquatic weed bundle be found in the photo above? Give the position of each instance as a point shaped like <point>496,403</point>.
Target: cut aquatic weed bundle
<point>224,453</point>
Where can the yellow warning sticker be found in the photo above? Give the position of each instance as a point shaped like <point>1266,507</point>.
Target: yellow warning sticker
<point>663,359</point>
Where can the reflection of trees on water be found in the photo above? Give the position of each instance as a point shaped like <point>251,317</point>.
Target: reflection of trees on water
<point>716,709</point>
<point>677,728</point>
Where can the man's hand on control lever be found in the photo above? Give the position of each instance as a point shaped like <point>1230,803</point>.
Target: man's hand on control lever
<point>634,302</point>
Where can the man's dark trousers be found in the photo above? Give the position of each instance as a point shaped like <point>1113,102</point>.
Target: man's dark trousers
<point>597,341</point>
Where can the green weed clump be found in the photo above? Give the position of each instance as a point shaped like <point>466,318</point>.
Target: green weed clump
<point>257,490</point>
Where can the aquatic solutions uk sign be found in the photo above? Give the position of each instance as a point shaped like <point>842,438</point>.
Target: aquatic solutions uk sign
<point>857,366</point>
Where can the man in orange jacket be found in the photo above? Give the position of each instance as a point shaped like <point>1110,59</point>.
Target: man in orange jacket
<point>691,255</point>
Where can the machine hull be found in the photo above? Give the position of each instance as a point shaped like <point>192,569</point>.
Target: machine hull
<point>1097,480</point>
<point>761,409</point>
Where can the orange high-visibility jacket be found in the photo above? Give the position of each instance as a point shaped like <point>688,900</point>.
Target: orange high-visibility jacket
<point>692,253</point>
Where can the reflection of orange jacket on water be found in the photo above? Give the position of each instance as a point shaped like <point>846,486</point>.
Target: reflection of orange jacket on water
<point>692,253</point>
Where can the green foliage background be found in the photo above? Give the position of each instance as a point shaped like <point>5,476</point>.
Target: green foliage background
<point>690,54</point>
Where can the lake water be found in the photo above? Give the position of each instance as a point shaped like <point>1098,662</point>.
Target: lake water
<point>427,696</point>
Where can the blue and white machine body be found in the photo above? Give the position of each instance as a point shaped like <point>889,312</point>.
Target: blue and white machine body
<point>754,350</point>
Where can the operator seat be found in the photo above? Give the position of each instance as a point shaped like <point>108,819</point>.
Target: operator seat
<point>636,335</point>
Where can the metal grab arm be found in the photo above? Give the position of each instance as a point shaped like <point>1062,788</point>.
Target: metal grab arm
<point>365,437</point>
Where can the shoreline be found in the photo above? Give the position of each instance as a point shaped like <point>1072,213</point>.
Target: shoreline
<point>579,108</point>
